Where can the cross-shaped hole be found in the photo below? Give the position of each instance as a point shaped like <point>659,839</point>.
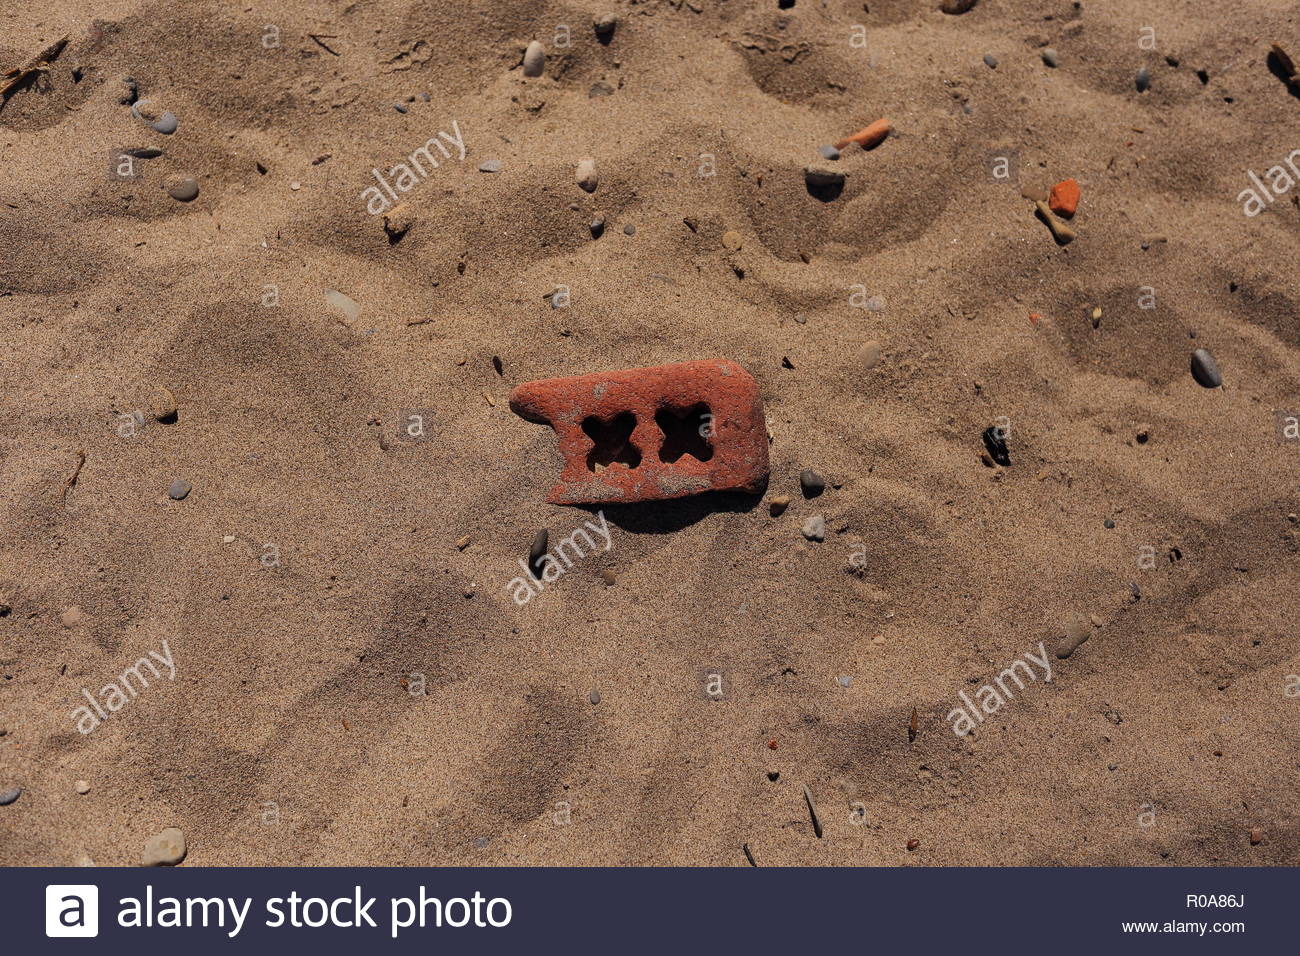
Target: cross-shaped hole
<point>686,432</point>
<point>611,442</point>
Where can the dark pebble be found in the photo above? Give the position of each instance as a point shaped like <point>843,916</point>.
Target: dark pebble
<point>1205,370</point>
<point>145,152</point>
<point>828,152</point>
<point>9,796</point>
<point>996,445</point>
<point>812,483</point>
<point>1143,80</point>
<point>990,61</point>
<point>597,227</point>
<point>1108,523</point>
<point>400,107</point>
<point>629,230</point>
<point>180,489</point>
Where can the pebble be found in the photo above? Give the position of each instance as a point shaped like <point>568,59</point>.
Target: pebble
<point>869,354</point>
<point>1143,80</point>
<point>1050,58</point>
<point>587,177</point>
<point>594,697</point>
<point>814,529</point>
<point>83,787</point>
<point>538,548</point>
<point>348,308</point>
<point>490,166</point>
<point>400,107</point>
<point>990,61</point>
<point>165,124</point>
<point>183,190</point>
<point>829,152</point>
<point>605,27</point>
<point>1205,370</point>
<point>597,227</point>
<point>1256,836</point>
<point>72,617</point>
<point>732,240</point>
<point>534,59</point>
<point>481,843</point>
<point>145,152</point>
<point>997,446</point>
<point>776,507</point>
<point>811,483</point>
<point>162,404</point>
<point>629,230</point>
<point>1077,630</point>
<point>164,849</point>
<point>844,681</point>
<point>9,796</point>
<point>180,489</point>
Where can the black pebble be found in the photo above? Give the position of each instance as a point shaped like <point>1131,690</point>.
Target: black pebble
<point>597,227</point>
<point>1205,370</point>
<point>996,445</point>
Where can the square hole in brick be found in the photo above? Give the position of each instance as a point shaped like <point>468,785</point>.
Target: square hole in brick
<point>686,432</point>
<point>611,441</point>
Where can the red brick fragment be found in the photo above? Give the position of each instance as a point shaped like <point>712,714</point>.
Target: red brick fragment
<point>1065,198</point>
<point>649,434</point>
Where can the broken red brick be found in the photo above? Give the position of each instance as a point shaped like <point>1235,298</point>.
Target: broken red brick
<point>649,434</point>
<point>1065,198</point>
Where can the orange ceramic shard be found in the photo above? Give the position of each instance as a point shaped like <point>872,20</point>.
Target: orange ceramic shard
<point>1065,198</point>
<point>868,137</point>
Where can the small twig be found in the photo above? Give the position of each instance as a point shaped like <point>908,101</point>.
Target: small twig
<point>318,40</point>
<point>72,479</point>
<point>748,855</point>
<point>17,78</point>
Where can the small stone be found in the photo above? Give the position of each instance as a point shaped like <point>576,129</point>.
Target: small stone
<point>534,59</point>
<point>594,697</point>
<point>608,576</point>
<point>829,152</point>
<point>400,107</point>
<point>228,539</point>
<point>1256,836</point>
<point>597,227</point>
<point>844,681</point>
<point>1205,370</point>
<point>587,177</point>
<point>481,843</point>
<point>605,27</point>
<point>1143,80</point>
<point>1050,58</point>
<point>912,845</point>
<point>996,443</point>
<point>463,543</point>
<point>1108,523</point>
<point>83,787</point>
<point>72,617</point>
<point>629,230</point>
<point>165,124</point>
<point>164,849</point>
<point>183,190</point>
<point>1077,630</point>
<point>349,308</point>
<point>776,507</point>
<point>878,640</point>
<point>869,354</point>
<point>9,796</point>
<point>162,404</point>
<point>814,529</point>
<point>295,186</point>
<point>537,549</point>
<point>990,61</point>
<point>490,166</point>
<point>732,240</point>
<point>179,489</point>
<point>811,483</point>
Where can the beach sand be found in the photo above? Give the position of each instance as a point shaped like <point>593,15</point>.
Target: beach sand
<point>351,687</point>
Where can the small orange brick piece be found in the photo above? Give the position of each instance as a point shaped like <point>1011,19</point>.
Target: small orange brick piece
<point>1065,198</point>
<point>868,137</point>
<point>648,434</point>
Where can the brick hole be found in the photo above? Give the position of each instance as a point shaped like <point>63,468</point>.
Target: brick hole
<point>611,442</point>
<point>684,432</point>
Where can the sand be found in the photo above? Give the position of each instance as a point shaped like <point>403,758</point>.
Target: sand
<point>310,583</point>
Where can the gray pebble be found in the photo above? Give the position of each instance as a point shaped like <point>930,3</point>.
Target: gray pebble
<point>9,796</point>
<point>845,681</point>
<point>1205,370</point>
<point>165,124</point>
<point>400,107</point>
<point>629,230</point>
<point>814,529</point>
<point>1143,80</point>
<point>990,61</point>
<point>597,227</point>
<point>534,59</point>
<point>180,489</point>
<point>812,483</point>
<point>186,190</point>
<point>1050,58</point>
<point>829,152</point>
<point>490,166</point>
<point>481,843</point>
<point>594,697</point>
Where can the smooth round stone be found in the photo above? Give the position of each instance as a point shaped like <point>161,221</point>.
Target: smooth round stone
<point>629,230</point>
<point>811,483</point>
<point>180,489</point>
<point>594,697</point>
<point>1205,370</point>
<point>828,152</point>
<point>83,787</point>
<point>1051,58</point>
<point>597,227</point>
<point>490,166</point>
<point>534,59</point>
<point>165,124</point>
<point>162,404</point>
<point>1143,80</point>
<point>9,796</point>
<point>869,355</point>
<point>185,190</point>
<point>990,61</point>
<point>732,240</point>
<point>814,529</point>
<point>164,849</point>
